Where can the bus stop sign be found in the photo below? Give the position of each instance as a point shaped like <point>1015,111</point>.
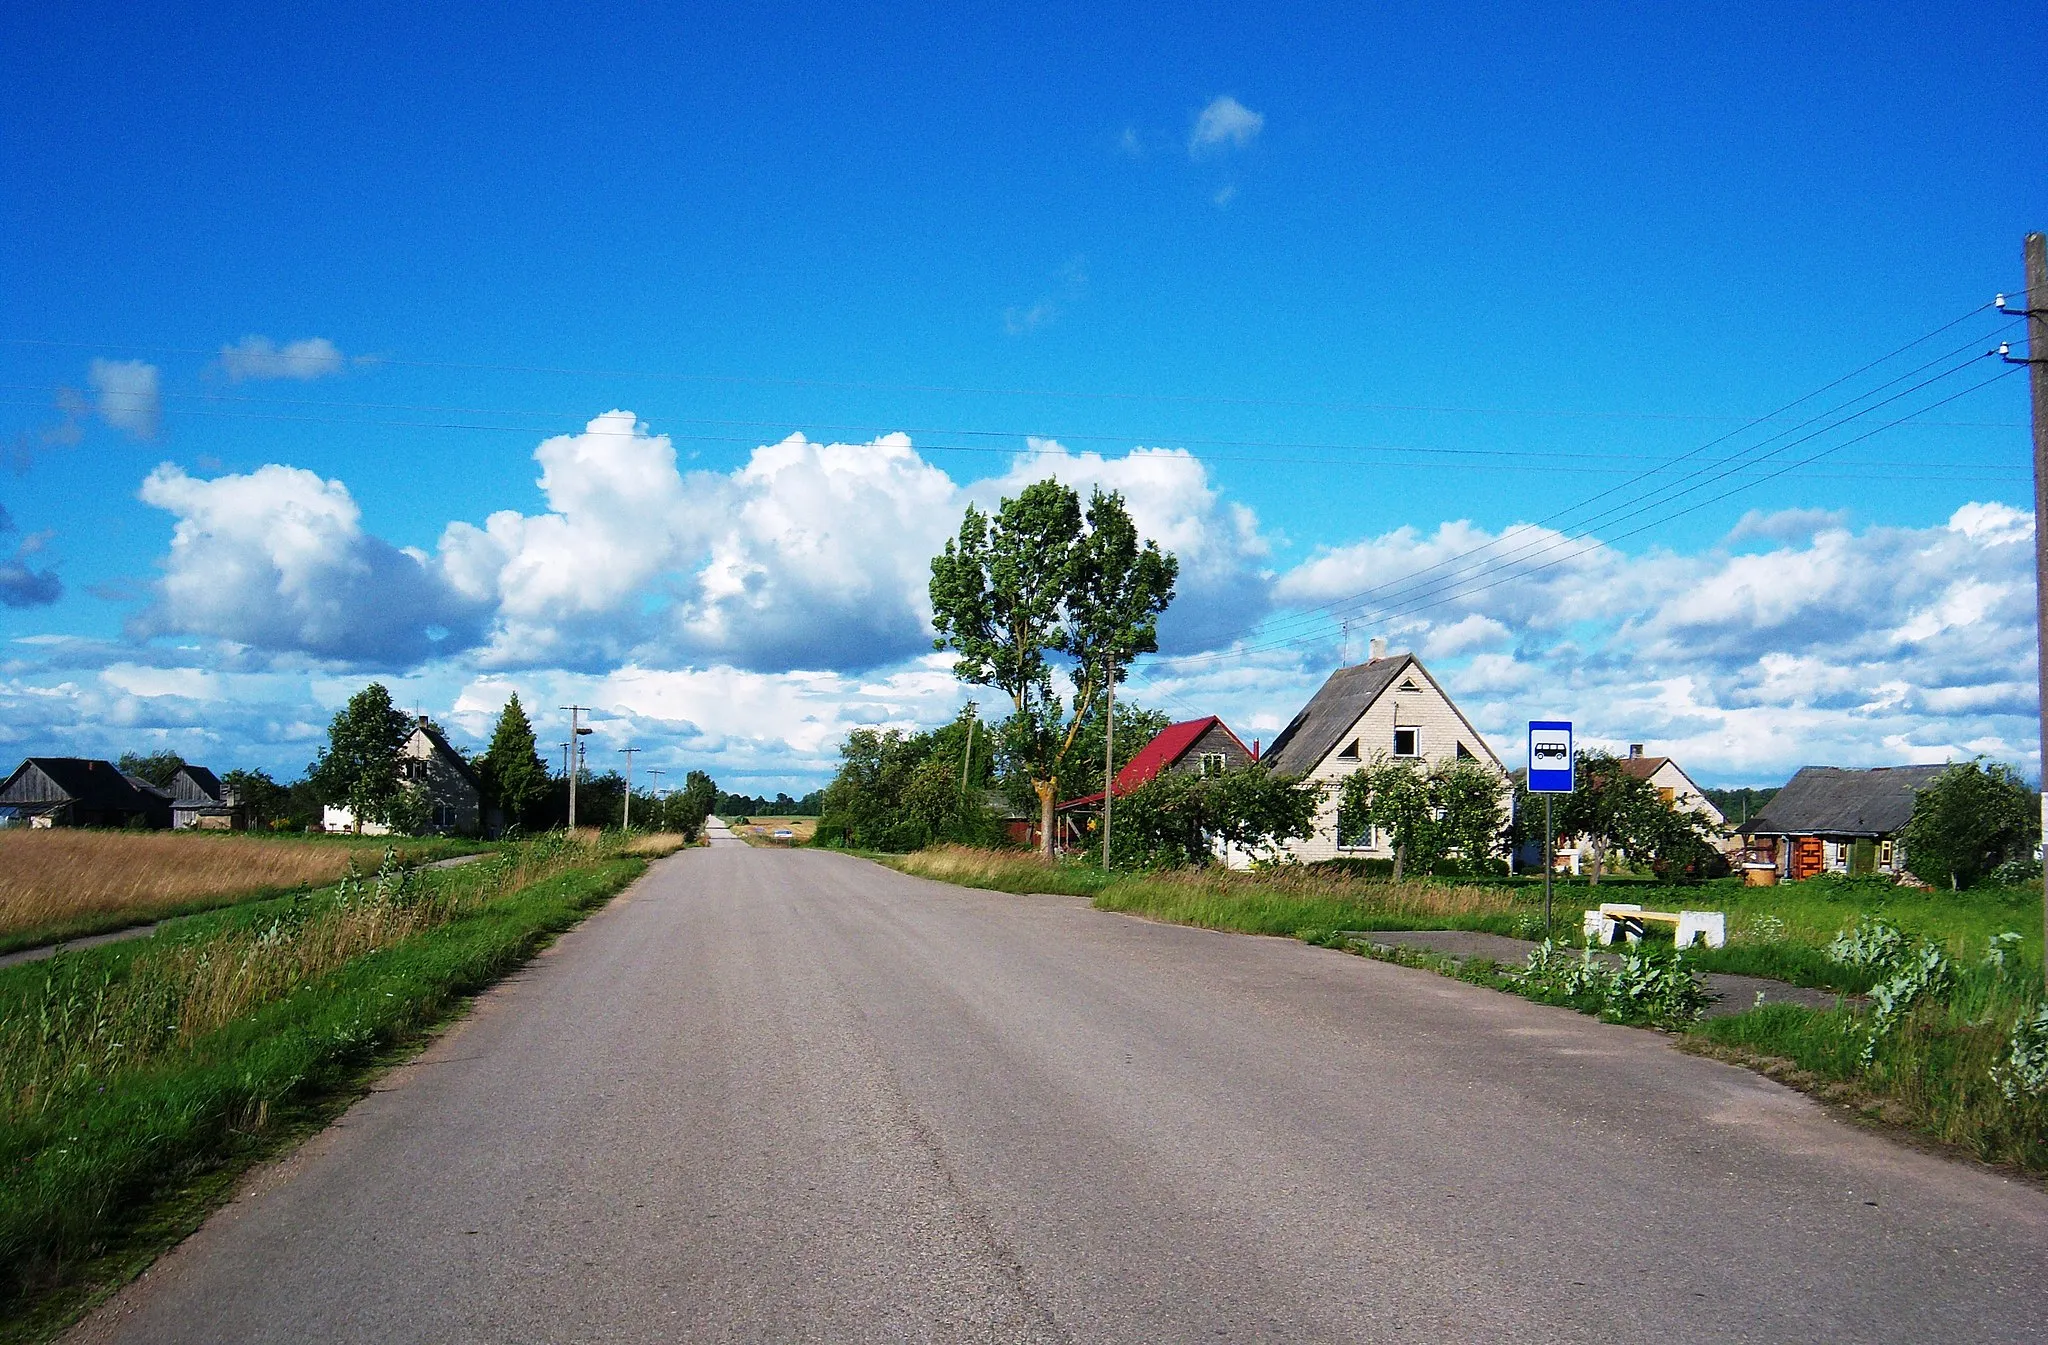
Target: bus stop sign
<point>1550,756</point>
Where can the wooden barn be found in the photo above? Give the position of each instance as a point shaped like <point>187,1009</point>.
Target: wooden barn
<point>82,792</point>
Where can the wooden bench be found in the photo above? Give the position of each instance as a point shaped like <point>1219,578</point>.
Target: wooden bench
<point>1630,920</point>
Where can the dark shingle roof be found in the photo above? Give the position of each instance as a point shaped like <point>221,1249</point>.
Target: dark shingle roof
<point>1308,738</point>
<point>1833,801</point>
<point>92,783</point>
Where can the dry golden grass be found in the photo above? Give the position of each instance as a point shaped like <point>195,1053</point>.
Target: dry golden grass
<point>66,882</point>
<point>655,843</point>
<point>761,830</point>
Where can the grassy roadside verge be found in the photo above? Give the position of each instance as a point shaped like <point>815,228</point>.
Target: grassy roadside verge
<point>1952,1043</point>
<point>269,1019</point>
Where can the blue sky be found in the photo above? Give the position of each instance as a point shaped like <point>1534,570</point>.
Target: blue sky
<point>1388,284</point>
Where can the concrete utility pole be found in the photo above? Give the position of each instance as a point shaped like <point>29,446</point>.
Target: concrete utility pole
<point>968,759</point>
<point>2035,252</point>
<point>626,819</point>
<point>576,732</point>
<point>1108,757</point>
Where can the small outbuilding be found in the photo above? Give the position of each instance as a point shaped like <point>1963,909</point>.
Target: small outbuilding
<point>200,802</point>
<point>1199,747</point>
<point>1829,819</point>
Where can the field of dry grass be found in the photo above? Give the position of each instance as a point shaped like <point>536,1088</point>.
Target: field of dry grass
<point>63,883</point>
<point>761,830</point>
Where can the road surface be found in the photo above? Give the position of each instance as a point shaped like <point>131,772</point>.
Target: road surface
<point>791,1096</point>
<point>717,833</point>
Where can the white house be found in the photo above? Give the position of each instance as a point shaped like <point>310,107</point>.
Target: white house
<point>427,762</point>
<point>1389,706</point>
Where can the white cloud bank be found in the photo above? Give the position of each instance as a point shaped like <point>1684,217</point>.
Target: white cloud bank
<point>750,616</point>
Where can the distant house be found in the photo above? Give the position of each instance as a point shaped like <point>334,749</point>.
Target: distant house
<point>1673,786</point>
<point>1389,706</point>
<point>82,792</point>
<point>1832,820</point>
<point>199,801</point>
<point>1200,747</point>
<point>427,763</point>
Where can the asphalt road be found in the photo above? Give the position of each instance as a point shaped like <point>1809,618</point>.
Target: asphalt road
<point>790,1096</point>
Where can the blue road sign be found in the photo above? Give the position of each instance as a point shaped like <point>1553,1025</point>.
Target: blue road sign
<point>1550,756</point>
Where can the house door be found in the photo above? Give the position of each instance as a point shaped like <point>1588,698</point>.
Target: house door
<point>1808,857</point>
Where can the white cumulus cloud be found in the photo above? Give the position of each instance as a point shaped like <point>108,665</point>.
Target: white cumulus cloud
<point>278,559</point>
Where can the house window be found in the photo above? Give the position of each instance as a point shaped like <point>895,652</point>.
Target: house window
<point>1212,764</point>
<point>1464,753</point>
<point>444,816</point>
<point>1407,742</point>
<point>1352,835</point>
<point>1350,753</point>
<point>1884,854</point>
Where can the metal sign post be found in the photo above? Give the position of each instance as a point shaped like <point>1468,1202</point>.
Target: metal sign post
<point>1551,762</point>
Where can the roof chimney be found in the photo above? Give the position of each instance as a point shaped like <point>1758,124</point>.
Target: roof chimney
<point>1255,749</point>
<point>1378,648</point>
<point>423,721</point>
<point>1635,749</point>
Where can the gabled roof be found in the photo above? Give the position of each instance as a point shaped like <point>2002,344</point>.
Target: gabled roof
<point>201,786</point>
<point>1330,713</point>
<point>1832,801</point>
<point>453,757</point>
<point>1642,768</point>
<point>1170,744</point>
<point>91,783</point>
<point>1314,733</point>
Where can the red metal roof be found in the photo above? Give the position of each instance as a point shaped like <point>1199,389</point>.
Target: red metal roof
<point>1170,746</point>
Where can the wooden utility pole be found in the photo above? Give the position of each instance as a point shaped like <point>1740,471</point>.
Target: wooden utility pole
<point>2036,254</point>
<point>1108,756</point>
<point>626,820</point>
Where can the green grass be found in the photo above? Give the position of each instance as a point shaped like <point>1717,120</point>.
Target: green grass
<point>1932,1074</point>
<point>98,1179</point>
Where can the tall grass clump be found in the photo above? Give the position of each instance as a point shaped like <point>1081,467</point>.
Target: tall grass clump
<point>61,882</point>
<point>129,1071</point>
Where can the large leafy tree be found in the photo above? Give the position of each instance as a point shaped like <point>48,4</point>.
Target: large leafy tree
<point>262,798</point>
<point>694,802</point>
<point>1609,809</point>
<point>1972,818</point>
<point>1039,587</point>
<point>159,768</point>
<point>512,767</point>
<point>358,768</point>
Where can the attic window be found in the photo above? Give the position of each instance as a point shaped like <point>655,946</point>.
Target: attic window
<point>1349,753</point>
<point>1465,753</point>
<point>1408,684</point>
<point>1407,742</point>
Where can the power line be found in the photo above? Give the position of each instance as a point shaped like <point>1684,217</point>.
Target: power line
<point>1317,613</point>
<point>1395,612</point>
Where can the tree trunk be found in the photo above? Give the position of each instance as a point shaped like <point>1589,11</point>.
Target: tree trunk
<point>1045,792</point>
<point>1599,855</point>
<point>1400,858</point>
